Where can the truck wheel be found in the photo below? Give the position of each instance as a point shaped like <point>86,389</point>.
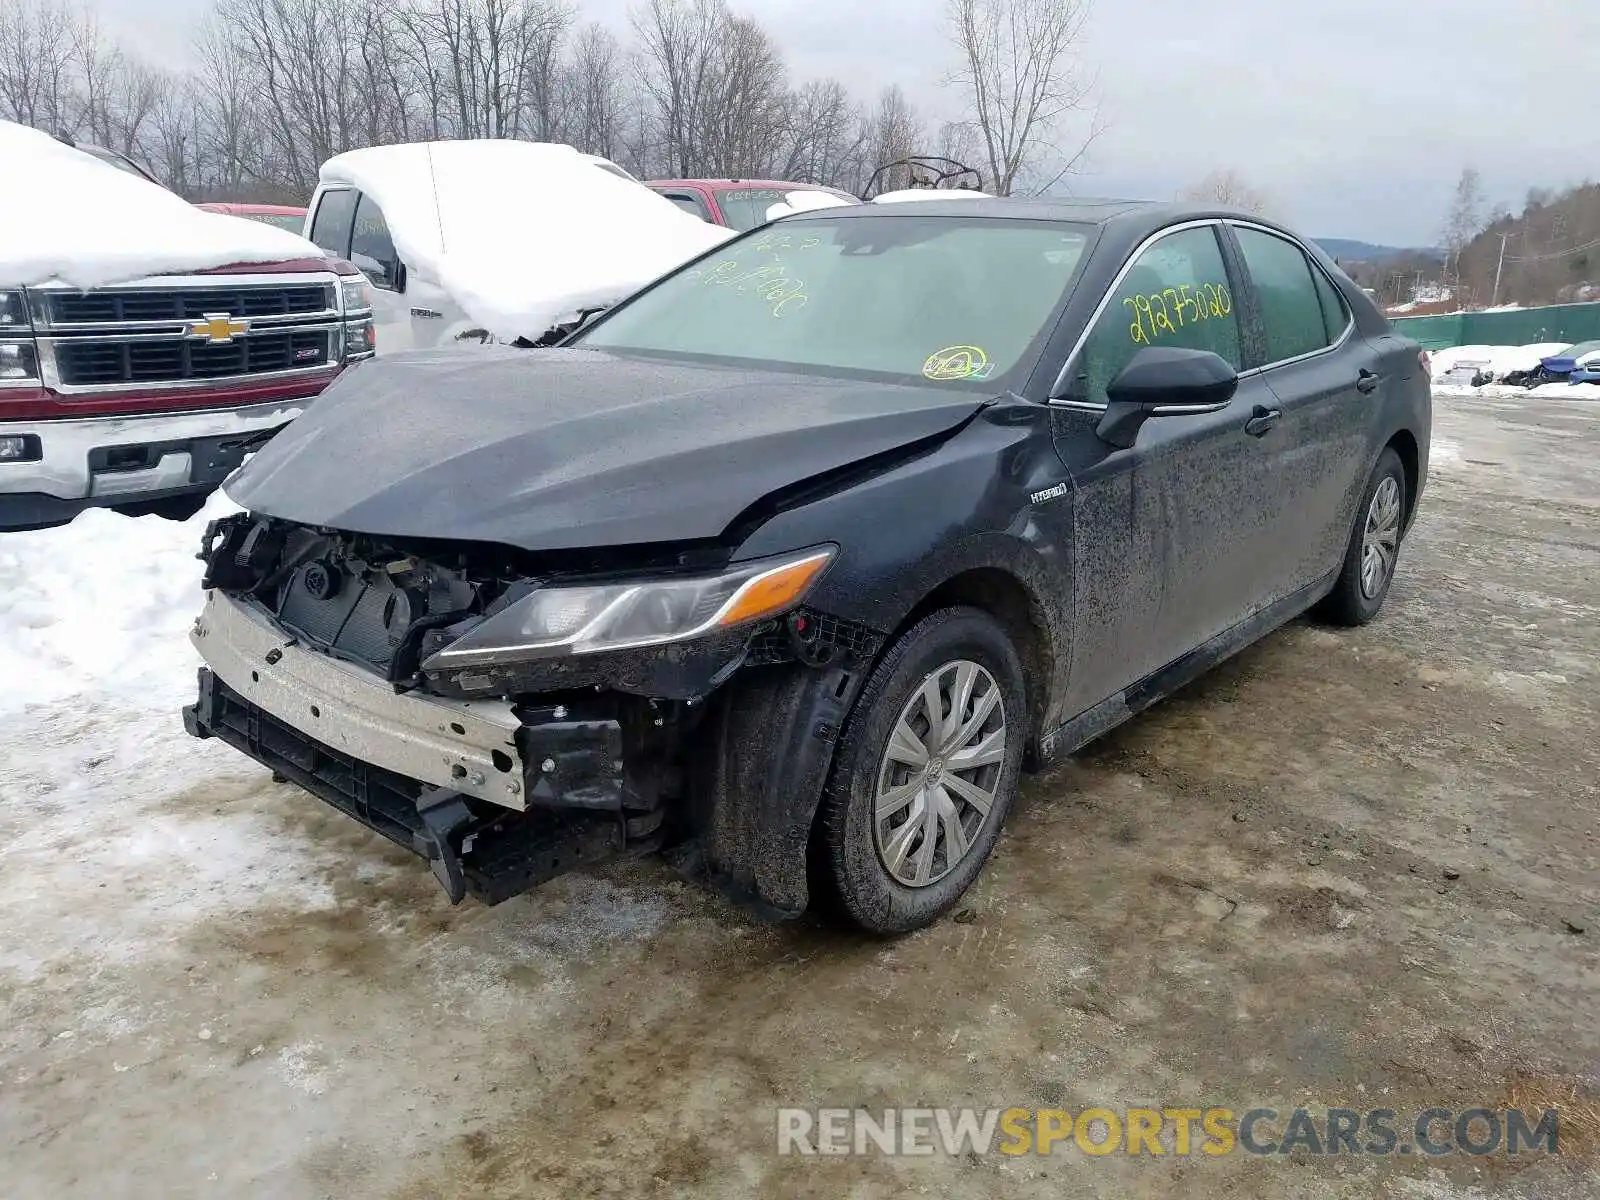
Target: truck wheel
<point>926,770</point>
<point>1373,549</point>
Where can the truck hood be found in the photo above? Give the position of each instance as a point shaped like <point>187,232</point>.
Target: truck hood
<point>571,448</point>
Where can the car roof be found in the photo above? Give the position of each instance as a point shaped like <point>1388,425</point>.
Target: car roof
<point>1126,221</point>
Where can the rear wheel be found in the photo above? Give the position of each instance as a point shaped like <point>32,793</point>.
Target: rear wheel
<point>927,768</point>
<point>1374,546</point>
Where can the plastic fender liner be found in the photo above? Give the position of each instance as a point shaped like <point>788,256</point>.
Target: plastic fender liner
<point>766,755</point>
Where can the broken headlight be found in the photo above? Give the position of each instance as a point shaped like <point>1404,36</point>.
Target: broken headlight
<point>552,622</point>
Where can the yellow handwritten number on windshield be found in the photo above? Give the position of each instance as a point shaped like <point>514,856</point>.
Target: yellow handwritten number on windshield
<point>957,362</point>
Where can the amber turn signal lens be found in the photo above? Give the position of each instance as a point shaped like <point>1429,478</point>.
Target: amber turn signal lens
<point>775,591</point>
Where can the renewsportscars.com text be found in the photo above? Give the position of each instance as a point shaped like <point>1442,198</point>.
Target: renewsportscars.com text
<point>1176,1131</point>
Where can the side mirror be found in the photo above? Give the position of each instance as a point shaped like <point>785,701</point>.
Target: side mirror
<point>1161,381</point>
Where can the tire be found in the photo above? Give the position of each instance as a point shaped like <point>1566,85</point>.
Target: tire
<point>1355,599</point>
<point>954,649</point>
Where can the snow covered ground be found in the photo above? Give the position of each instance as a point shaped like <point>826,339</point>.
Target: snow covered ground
<point>64,209</point>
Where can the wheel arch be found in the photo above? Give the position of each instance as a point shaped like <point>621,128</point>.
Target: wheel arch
<point>1404,444</point>
<point>1018,607</point>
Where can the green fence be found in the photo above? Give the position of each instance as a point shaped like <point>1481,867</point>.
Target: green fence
<point>1519,327</point>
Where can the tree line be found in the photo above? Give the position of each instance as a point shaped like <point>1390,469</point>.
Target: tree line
<point>691,88</point>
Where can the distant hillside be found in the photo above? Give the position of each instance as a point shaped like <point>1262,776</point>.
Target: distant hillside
<point>1349,250</point>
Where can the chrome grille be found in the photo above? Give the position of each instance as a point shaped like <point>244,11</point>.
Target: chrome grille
<point>86,362</point>
<point>155,334</point>
<point>112,306</point>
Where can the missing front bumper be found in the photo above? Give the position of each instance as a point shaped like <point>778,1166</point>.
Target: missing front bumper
<point>473,847</point>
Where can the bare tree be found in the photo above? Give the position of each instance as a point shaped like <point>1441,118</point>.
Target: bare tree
<point>1022,79</point>
<point>37,83</point>
<point>1465,218</point>
<point>1228,189</point>
<point>592,103</point>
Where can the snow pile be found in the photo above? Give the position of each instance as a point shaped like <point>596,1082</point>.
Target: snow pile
<point>805,201</point>
<point>1454,370</point>
<point>912,195</point>
<point>101,608</point>
<point>88,224</point>
<point>522,235</point>
<point>1500,361</point>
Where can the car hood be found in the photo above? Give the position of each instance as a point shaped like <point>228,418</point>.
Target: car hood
<point>570,448</point>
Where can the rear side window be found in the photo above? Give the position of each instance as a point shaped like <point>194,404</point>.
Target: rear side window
<point>690,202</point>
<point>1175,294</point>
<point>371,247</point>
<point>1292,312</point>
<point>331,227</point>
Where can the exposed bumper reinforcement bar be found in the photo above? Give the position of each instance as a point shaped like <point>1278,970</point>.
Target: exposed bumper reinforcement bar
<point>474,848</point>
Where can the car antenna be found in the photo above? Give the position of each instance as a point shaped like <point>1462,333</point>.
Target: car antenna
<point>438,214</point>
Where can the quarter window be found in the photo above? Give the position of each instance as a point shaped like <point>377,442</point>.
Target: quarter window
<point>1176,293</point>
<point>331,228</point>
<point>1294,313</point>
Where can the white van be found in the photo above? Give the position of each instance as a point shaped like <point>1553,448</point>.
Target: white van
<point>410,310</point>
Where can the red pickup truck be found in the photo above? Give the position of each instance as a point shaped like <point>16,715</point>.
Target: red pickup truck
<point>156,390</point>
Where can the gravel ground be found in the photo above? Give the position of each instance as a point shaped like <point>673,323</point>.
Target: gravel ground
<point>1346,868</point>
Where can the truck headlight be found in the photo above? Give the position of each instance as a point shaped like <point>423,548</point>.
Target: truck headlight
<point>355,293</point>
<point>558,621</point>
<point>14,313</point>
<point>19,362</point>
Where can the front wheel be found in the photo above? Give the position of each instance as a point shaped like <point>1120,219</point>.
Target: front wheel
<point>1374,546</point>
<point>927,768</point>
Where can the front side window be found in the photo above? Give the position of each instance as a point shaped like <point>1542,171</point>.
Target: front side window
<point>1176,293</point>
<point>953,300</point>
<point>1293,315</point>
<point>371,247</point>
<point>331,228</point>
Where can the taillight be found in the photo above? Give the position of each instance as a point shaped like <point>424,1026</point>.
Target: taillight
<point>1426,360</point>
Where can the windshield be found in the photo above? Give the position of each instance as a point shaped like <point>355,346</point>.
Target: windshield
<point>1579,350</point>
<point>745,208</point>
<point>951,299</point>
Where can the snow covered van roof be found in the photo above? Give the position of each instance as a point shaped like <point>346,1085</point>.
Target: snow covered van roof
<point>522,235</point>
<point>88,224</point>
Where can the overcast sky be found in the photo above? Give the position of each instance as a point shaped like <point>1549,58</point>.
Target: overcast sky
<point>1357,115</point>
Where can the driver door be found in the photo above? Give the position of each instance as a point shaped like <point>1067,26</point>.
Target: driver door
<point>1165,530</point>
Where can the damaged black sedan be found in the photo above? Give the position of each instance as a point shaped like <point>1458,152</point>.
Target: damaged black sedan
<point>790,564</point>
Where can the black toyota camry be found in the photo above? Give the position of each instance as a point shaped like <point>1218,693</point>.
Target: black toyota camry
<point>790,564</point>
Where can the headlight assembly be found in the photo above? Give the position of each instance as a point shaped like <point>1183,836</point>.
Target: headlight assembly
<point>558,621</point>
<point>355,293</point>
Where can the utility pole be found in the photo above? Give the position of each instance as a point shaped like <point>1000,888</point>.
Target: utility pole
<point>1498,268</point>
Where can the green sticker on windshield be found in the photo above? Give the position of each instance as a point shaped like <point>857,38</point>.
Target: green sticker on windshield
<point>957,362</point>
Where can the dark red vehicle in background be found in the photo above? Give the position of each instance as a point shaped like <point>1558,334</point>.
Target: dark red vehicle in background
<point>284,216</point>
<point>737,203</point>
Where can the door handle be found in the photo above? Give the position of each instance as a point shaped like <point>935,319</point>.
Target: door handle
<point>1368,381</point>
<point>1263,421</point>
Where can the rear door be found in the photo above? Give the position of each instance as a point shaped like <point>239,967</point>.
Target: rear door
<point>1327,383</point>
<point>1165,531</point>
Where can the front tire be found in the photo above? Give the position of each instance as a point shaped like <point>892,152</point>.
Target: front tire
<point>1374,547</point>
<point>927,768</point>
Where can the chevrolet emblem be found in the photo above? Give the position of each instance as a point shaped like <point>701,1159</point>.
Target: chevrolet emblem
<point>218,328</point>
